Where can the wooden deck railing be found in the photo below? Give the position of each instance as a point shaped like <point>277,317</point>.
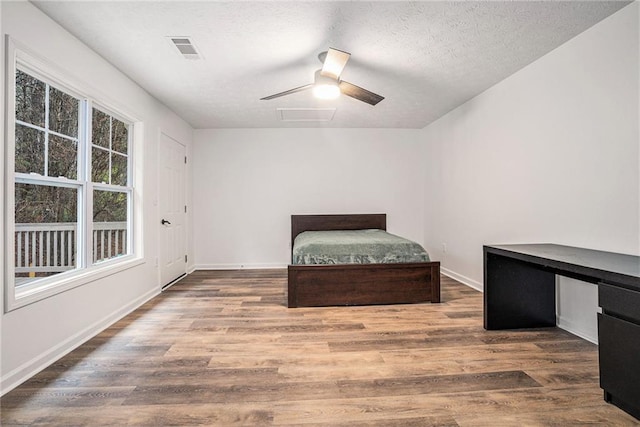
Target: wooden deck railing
<point>51,247</point>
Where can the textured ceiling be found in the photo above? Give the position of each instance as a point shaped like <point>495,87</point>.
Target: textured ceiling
<point>425,58</point>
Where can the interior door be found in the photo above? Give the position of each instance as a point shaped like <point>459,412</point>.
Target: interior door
<point>173,233</point>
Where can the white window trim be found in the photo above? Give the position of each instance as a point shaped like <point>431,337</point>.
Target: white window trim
<point>87,271</point>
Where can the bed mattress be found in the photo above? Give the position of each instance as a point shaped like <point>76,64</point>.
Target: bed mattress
<point>355,247</point>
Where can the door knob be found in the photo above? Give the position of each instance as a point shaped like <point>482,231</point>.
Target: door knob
<point>164,221</point>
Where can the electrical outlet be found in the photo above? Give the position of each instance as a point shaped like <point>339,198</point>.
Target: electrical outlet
<point>444,248</point>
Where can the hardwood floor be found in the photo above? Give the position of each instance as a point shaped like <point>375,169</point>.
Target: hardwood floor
<point>221,348</point>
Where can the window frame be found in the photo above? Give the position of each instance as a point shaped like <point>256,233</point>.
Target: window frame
<point>86,271</point>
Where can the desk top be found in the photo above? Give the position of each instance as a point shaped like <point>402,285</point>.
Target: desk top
<point>580,263</point>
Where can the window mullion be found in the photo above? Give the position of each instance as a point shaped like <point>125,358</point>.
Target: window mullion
<point>25,178</point>
<point>46,129</point>
<point>110,150</point>
<point>31,125</point>
<point>87,223</point>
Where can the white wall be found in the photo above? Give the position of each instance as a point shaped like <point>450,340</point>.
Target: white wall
<point>248,182</point>
<point>37,334</point>
<point>551,154</point>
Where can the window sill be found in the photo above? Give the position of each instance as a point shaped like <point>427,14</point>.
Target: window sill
<point>69,281</point>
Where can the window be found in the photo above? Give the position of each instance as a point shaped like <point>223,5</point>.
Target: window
<point>72,191</point>
<point>110,177</point>
<point>47,188</point>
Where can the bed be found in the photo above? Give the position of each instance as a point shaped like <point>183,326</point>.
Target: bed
<point>357,284</point>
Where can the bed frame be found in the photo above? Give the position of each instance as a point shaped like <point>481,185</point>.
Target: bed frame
<point>357,284</point>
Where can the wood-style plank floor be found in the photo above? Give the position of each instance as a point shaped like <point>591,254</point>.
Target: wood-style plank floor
<point>221,348</point>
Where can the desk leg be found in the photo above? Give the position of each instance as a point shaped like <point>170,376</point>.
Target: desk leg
<point>517,294</point>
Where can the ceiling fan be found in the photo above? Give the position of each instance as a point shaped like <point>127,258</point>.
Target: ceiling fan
<point>327,83</point>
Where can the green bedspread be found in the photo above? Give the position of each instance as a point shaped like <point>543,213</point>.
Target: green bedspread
<point>355,247</point>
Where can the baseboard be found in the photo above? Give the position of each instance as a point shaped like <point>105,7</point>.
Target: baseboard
<point>576,329</point>
<point>237,266</point>
<point>28,369</point>
<point>462,279</point>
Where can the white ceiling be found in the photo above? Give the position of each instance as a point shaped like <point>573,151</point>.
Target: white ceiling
<point>424,57</point>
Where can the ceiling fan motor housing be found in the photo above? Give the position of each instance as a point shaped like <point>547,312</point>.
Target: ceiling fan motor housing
<point>319,79</point>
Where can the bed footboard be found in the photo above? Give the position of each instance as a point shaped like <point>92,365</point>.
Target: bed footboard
<point>363,284</point>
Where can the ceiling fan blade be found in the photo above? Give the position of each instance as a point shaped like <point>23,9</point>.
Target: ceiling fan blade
<point>359,93</point>
<point>334,63</point>
<point>287,92</point>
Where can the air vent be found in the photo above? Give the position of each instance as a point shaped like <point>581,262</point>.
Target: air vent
<point>306,114</point>
<point>185,47</point>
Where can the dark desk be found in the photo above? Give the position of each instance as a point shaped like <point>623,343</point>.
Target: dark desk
<point>519,292</point>
<point>519,280</point>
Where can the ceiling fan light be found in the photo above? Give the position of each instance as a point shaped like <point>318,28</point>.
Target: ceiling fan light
<point>326,91</point>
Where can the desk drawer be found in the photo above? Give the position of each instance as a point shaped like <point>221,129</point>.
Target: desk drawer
<point>620,302</point>
<point>619,347</point>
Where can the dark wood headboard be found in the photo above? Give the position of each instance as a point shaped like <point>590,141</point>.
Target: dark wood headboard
<point>300,223</point>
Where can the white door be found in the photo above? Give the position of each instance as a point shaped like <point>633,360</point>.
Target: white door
<point>172,221</point>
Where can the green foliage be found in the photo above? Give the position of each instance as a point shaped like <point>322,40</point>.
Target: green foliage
<point>29,157</point>
<point>110,139</point>
<point>30,99</point>
<point>63,113</point>
<point>43,203</point>
<point>109,206</point>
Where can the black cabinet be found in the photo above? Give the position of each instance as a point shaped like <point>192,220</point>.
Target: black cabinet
<point>619,347</point>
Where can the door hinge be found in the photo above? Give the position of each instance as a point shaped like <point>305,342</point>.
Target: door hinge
<point>185,208</point>
<point>185,258</point>
<point>185,159</point>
